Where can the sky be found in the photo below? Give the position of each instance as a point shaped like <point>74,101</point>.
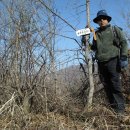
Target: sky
<point>74,11</point>
<point>70,9</point>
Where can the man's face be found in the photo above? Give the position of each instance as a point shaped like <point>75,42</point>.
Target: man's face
<point>102,21</point>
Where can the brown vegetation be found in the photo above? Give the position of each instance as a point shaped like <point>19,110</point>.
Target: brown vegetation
<point>35,93</point>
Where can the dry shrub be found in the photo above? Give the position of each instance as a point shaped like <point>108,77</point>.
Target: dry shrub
<point>58,106</point>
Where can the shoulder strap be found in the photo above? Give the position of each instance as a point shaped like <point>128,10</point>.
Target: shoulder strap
<point>114,32</point>
<point>116,39</point>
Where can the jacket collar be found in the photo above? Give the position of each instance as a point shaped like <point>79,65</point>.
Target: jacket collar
<point>107,26</point>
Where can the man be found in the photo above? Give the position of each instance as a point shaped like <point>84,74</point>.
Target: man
<point>111,59</point>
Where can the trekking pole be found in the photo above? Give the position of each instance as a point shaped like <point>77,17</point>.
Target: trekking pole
<point>89,59</point>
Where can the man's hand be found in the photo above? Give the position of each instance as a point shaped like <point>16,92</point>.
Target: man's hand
<point>93,31</point>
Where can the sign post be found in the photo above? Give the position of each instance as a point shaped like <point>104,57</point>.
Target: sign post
<point>86,32</point>
<point>89,59</point>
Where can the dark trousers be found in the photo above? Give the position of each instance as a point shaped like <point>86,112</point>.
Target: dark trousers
<point>111,78</point>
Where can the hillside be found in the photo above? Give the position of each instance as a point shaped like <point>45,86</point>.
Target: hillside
<point>65,109</point>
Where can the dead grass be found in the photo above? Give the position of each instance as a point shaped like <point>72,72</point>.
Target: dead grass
<point>99,117</point>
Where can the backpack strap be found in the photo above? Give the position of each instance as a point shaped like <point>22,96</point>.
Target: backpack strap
<point>114,31</point>
<point>116,39</point>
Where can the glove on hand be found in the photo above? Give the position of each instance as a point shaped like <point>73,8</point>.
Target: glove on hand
<point>123,62</point>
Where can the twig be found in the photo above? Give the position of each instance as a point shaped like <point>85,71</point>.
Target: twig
<point>5,106</point>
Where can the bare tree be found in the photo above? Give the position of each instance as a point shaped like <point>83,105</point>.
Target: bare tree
<point>29,48</point>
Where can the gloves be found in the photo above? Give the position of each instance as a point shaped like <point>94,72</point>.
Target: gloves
<point>123,62</point>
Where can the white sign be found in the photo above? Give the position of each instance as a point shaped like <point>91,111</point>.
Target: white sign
<point>83,32</point>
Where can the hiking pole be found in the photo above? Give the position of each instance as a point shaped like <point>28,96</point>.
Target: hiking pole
<point>89,59</point>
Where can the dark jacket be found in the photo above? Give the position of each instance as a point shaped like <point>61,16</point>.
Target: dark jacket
<point>104,45</point>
